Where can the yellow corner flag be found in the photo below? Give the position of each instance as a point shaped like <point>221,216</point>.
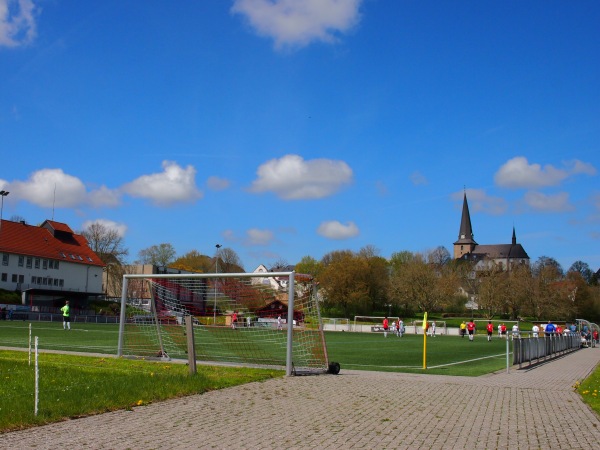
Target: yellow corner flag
<point>425,341</point>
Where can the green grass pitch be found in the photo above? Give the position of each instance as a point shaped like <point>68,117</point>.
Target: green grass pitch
<point>450,355</point>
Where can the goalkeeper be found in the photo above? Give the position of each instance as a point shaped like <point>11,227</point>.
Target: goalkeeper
<point>66,311</point>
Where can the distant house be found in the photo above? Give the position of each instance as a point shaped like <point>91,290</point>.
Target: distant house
<point>502,255</point>
<point>277,284</point>
<point>48,263</point>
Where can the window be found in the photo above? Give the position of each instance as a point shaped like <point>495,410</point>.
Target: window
<point>61,283</point>
<point>56,282</point>
<point>29,262</point>
<point>4,277</point>
<point>21,261</point>
<point>33,280</point>
<point>14,278</point>
<point>37,263</point>
<point>56,265</point>
<point>51,264</point>
<point>21,278</point>
<point>45,264</point>
<point>5,259</point>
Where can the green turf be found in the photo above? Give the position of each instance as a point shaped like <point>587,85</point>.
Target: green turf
<point>451,355</point>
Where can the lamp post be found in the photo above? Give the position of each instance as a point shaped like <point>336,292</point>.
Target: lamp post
<point>218,246</point>
<point>2,194</point>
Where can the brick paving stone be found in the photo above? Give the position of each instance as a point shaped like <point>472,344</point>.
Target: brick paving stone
<point>523,409</point>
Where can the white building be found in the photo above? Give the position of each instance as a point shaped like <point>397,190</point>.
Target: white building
<point>48,263</point>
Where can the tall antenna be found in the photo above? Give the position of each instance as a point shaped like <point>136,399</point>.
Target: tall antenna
<point>53,202</point>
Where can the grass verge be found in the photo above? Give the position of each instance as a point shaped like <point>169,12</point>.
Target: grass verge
<point>589,390</point>
<point>76,386</point>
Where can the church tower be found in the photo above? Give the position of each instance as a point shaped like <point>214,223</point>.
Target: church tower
<point>465,243</point>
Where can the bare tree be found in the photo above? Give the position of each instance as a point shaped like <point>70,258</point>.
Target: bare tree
<point>106,242</point>
<point>229,261</point>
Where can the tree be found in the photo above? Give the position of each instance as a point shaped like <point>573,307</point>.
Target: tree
<point>229,261</point>
<point>193,261</point>
<point>309,265</point>
<point>421,285</point>
<point>584,270</point>
<point>161,255</point>
<point>493,291</point>
<point>343,282</point>
<point>440,256</point>
<point>548,266</point>
<point>106,242</point>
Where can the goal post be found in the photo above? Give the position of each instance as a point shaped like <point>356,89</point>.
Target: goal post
<point>257,319</point>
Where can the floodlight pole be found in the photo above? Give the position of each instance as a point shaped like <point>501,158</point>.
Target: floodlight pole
<point>215,285</point>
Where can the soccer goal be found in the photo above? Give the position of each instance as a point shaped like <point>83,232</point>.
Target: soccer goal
<point>372,323</point>
<point>264,320</point>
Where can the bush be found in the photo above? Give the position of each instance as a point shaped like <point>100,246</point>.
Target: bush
<point>10,297</point>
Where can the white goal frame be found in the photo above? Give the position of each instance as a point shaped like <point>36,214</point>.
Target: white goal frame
<point>285,278</point>
<point>376,321</point>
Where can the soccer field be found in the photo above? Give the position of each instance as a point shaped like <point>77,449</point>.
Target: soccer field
<point>451,355</point>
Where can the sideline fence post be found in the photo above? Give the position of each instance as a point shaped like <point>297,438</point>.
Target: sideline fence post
<point>29,345</point>
<point>37,380</point>
<point>507,352</point>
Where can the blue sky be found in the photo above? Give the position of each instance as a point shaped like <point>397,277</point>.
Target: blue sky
<point>285,128</point>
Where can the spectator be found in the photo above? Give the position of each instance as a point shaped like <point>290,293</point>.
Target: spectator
<point>550,329</point>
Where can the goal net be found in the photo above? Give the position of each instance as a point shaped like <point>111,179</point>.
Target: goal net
<point>373,323</point>
<point>266,320</point>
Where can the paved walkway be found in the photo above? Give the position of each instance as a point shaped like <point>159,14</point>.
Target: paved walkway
<point>526,409</point>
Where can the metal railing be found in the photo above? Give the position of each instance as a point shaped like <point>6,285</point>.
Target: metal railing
<point>533,350</point>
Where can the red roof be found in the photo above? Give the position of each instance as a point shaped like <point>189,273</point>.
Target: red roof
<point>51,240</point>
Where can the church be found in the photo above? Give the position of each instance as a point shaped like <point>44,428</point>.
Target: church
<point>484,256</point>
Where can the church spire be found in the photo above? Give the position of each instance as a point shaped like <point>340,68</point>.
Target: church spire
<point>514,237</point>
<point>465,243</point>
<point>465,233</point>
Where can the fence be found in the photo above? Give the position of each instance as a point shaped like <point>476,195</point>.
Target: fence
<point>532,350</point>
<point>50,317</point>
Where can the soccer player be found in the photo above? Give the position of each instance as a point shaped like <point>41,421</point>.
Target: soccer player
<point>463,329</point>
<point>385,326</point>
<point>66,311</point>
<point>433,328</point>
<point>471,329</point>
<point>400,328</point>
<point>233,320</point>
<point>279,324</point>
<point>490,330</point>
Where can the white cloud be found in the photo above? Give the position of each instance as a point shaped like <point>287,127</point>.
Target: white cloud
<point>217,184</point>
<point>297,23</point>
<point>17,22</point>
<point>293,178</point>
<point>120,228</point>
<point>175,184</point>
<point>104,197</point>
<point>336,230</point>
<point>418,179</point>
<point>479,201</point>
<point>518,173</point>
<point>548,203</point>
<point>254,236</point>
<point>50,187</point>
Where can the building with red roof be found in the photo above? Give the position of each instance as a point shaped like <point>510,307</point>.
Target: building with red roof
<point>48,263</point>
